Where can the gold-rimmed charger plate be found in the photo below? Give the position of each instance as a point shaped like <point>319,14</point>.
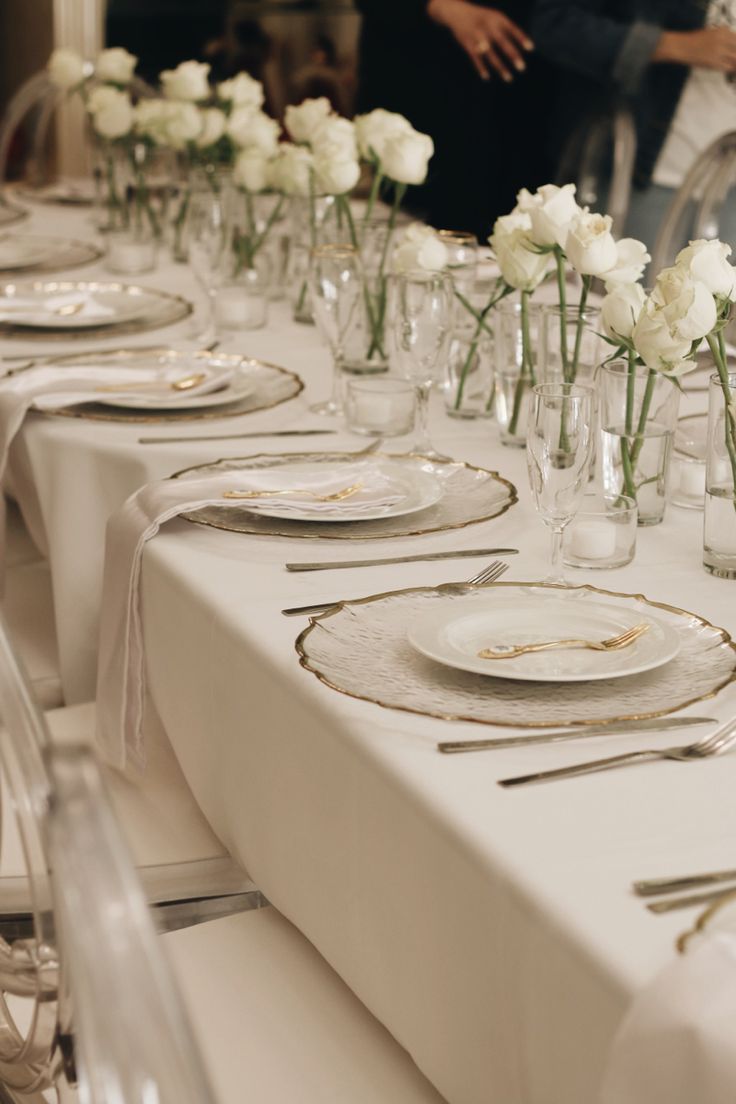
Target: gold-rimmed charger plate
<point>469,495</point>
<point>360,648</point>
<point>9,213</point>
<point>163,308</point>
<point>272,386</point>
<point>66,191</point>
<point>44,253</point>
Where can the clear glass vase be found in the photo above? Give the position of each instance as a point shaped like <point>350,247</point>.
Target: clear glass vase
<point>638,416</point>
<point>242,286</point>
<point>469,377</point>
<point>719,527</point>
<point>313,221</point>
<point>366,348</point>
<point>520,359</point>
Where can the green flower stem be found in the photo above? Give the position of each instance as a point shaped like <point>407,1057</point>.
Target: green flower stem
<point>717,346</point>
<point>481,326</point>
<point>562,295</point>
<point>578,328</point>
<point>646,402</point>
<point>343,205</point>
<point>377,320</point>
<point>526,376</point>
<point>375,189</point>
<point>312,239</point>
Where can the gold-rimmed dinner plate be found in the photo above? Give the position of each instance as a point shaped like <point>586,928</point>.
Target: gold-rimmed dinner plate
<point>42,309</point>
<point>21,252</point>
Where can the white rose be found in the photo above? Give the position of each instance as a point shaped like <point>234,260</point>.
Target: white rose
<point>376,128</point>
<point>687,305</point>
<point>213,127</point>
<point>291,170</point>
<point>66,68</point>
<point>335,137</point>
<point>252,171</point>
<point>302,120</point>
<point>113,116</point>
<point>631,260</point>
<point>101,97</point>
<point>115,65</point>
<point>150,119</point>
<point>552,211</point>
<point>656,344</point>
<point>241,91</point>
<point>187,82</point>
<point>621,308</point>
<point>252,129</point>
<point>182,124</point>
<point>590,245</point>
<point>521,265</point>
<point>420,247</point>
<point>707,262</point>
<point>335,175</point>
<point>405,157</point>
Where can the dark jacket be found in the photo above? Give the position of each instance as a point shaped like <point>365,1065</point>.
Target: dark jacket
<point>604,48</point>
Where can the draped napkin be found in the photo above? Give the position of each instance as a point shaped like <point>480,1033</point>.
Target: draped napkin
<point>121,666</point>
<point>677,1044</point>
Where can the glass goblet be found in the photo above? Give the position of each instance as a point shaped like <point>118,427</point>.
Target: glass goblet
<point>423,323</point>
<point>335,284</point>
<point>559,449</point>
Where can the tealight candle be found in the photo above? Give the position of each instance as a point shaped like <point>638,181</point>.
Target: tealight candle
<point>236,309</point>
<point>380,406</point>
<point>593,540</point>
<point>129,256</point>
<point>692,479</point>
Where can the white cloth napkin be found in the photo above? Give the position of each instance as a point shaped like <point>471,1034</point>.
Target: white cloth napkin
<point>121,667</point>
<point>677,1044</point>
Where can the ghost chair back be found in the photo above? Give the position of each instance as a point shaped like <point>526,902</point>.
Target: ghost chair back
<point>599,158</point>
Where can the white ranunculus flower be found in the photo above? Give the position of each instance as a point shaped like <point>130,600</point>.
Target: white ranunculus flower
<point>182,124</point>
<point>335,175</point>
<point>687,305</point>
<point>241,91</point>
<point>552,211</point>
<point>115,65</point>
<point>631,260</point>
<point>335,137</point>
<point>213,127</point>
<point>376,129</point>
<point>252,170</point>
<point>405,157</point>
<point>187,82</point>
<point>292,169</point>
<point>621,308</point>
<point>113,116</point>
<point>657,346</point>
<point>252,129</point>
<point>420,248</point>
<point>66,68</point>
<point>302,120</point>
<point>521,265</point>
<point>590,245</point>
<point>707,261</point>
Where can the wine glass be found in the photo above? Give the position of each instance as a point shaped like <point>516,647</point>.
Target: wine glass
<point>424,306</point>
<point>205,237</point>
<point>335,284</point>
<point>559,448</point>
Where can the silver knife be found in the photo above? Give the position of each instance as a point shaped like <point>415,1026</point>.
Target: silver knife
<point>237,436</point>
<point>650,887</point>
<point>456,555</point>
<point>690,900</point>
<point>610,728</point>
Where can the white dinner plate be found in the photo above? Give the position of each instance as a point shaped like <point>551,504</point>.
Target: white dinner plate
<point>39,307</point>
<point>23,251</point>
<point>222,384</point>
<point>412,488</point>
<point>454,638</point>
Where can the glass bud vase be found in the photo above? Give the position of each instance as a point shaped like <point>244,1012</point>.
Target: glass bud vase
<point>719,528</point>
<point>366,343</point>
<point>638,416</point>
<point>520,359</point>
<point>313,221</point>
<point>469,377</point>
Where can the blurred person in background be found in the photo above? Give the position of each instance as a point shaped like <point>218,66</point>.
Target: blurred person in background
<point>671,61</point>
<point>467,74</point>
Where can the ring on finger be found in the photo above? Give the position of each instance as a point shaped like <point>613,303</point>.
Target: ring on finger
<point>482,46</point>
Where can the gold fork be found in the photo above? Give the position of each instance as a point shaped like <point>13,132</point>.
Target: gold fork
<point>184,383</point>
<point>336,496</point>
<point>611,644</point>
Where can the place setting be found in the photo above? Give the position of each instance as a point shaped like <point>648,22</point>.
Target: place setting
<point>40,253</point>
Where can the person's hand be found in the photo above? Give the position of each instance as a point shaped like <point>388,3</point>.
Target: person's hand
<point>486,35</point>
<point>711,48</point>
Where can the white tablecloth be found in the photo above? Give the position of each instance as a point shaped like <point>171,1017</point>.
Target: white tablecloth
<point>493,932</point>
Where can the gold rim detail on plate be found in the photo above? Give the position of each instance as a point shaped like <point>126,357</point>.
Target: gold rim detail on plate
<point>171,308</point>
<point>703,921</point>
<point>275,378</point>
<point>237,519</point>
<point>481,686</point>
<point>82,253</point>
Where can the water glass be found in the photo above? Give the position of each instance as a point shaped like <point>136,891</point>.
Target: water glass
<point>335,288</point>
<point>462,257</point>
<point>719,527</point>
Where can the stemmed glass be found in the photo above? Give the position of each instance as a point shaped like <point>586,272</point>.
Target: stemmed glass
<point>559,448</point>
<point>336,285</point>
<point>204,234</point>
<point>425,310</point>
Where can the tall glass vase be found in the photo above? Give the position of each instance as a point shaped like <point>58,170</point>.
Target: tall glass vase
<point>719,528</point>
<point>520,359</point>
<point>313,222</point>
<point>638,415</point>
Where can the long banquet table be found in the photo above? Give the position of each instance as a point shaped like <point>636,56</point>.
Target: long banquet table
<point>493,932</point>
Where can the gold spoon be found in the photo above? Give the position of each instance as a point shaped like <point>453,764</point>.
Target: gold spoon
<point>336,496</point>
<point>64,311</point>
<point>612,644</point>
<point>184,383</point>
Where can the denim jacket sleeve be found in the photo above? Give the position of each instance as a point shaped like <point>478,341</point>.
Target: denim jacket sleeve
<point>581,36</point>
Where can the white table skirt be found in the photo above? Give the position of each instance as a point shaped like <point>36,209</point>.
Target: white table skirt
<point>493,932</point>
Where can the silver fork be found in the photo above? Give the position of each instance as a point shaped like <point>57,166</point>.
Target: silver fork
<point>705,748</point>
<point>489,574</point>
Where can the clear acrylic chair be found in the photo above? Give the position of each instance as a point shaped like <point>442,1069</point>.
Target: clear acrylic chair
<point>698,205</point>
<point>599,158</point>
